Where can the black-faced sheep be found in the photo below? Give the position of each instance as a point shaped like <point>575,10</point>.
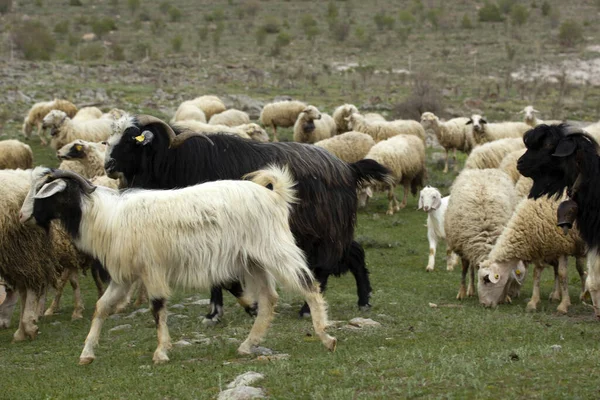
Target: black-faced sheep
<point>484,132</point>
<point>64,130</point>
<point>38,111</point>
<point>83,157</point>
<point>15,155</point>
<point>313,126</point>
<point>238,230</point>
<point>281,113</point>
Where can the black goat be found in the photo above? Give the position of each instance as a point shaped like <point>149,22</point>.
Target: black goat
<point>148,153</point>
<point>558,157</point>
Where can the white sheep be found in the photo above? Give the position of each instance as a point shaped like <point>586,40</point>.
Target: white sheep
<point>87,114</point>
<point>531,119</point>
<point>209,104</point>
<point>374,117</point>
<point>196,237</point>
<point>64,130</point>
<point>381,130</point>
<point>188,111</point>
<point>83,157</point>
<point>350,146</point>
<point>431,201</point>
<point>39,110</point>
<point>230,117</point>
<point>255,132</point>
<point>531,235</point>
<point>490,155</point>
<point>509,164</point>
<point>114,114</point>
<point>451,135</point>
<point>340,114</point>
<point>15,155</point>
<point>281,113</point>
<point>404,156</point>
<point>484,132</point>
<point>197,126</point>
<point>313,126</point>
<point>480,206</point>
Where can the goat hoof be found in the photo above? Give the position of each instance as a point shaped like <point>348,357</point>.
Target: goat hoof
<point>210,321</point>
<point>160,359</point>
<point>49,312</point>
<point>365,307</point>
<point>331,344</point>
<point>429,269</point>
<point>305,314</point>
<point>76,316</point>
<point>244,350</point>
<point>86,360</point>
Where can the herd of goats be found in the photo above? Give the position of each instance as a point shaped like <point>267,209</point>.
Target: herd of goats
<point>214,204</point>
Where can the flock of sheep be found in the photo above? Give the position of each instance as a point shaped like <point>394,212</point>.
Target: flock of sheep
<point>263,192</point>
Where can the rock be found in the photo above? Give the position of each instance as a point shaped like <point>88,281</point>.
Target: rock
<point>120,328</point>
<point>362,322</point>
<point>433,305</point>
<point>246,379</point>
<point>242,393</point>
<point>182,343</point>
<point>201,302</point>
<point>262,351</point>
<point>177,306</point>
<point>138,312</point>
<point>556,347</point>
<point>244,103</point>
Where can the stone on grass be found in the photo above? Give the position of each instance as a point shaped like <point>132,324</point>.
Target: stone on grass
<point>120,328</point>
<point>201,302</point>
<point>363,322</point>
<point>182,343</point>
<point>247,379</point>
<point>138,312</point>
<point>261,351</point>
<point>242,393</point>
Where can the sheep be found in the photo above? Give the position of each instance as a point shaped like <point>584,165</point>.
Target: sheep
<point>339,116</point>
<point>531,119</point>
<point>483,132</point>
<point>560,157</point>
<point>374,117</point>
<point>431,201</point>
<point>7,306</point>
<point>230,118</point>
<point>481,203</point>
<point>313,126</point>
<point>114,114</point>
<point>451,135</point>
<point>531,235</point>
<point>82,157</point>
<point>404,156</point>
<point>39,110</point>
<point>490,155</point>
<point>281,113</point>
<point>65,130</point>
<point>381,130</point>
<point>350,146</point>
<point>209,104</point>
<point>324,232</point>
<point>255,132</point>
<point>593,130</point>
<point>188,111</point>
<point>15,155</point>
<point>236,230</point>
<point>196,126</point>
<point>509,164</point>
<point>87,114</point>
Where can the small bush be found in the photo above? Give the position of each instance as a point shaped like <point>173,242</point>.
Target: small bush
<point>424,97</point>
<point>35,40</point>
<point>117,53</point>
<point>282,40</point>
<point>406,18</point>
<point>384,21</point>
<point>103,25</point>
<point>546,8</point>
<point>141,50</point>
<point>144,16</point>
<point>250,8</point>
<point>466,22</point>
<point>362,38</point>
<point>5,6</point>
<point>158,26</point>
<point>309,26</point>
<point>519,14</point>
<point>570,33</point>
<point>75,3</point>
<point>62,28</point>
<point>215,16</point>
<point>271,25</point>
<point>177,43</point>
<point>490,13</point>
<point>175,14</point>
<point>332,12</point>
<point>73,39</point>
<point>164,7</point>
<point>203,33</point>
<point>91,51</point>
<point>340,31</point>
<point>433,17</point>
<point>261,36</point>
<point>404,34</point>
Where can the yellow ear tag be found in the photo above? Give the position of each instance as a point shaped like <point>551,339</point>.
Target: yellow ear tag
<point>518,272</point>
<point>496,276</point>
<point>140,138</point>
<point>78,147</point>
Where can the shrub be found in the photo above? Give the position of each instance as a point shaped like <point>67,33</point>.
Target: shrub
<point>215,16</point>
<point>570,33</point>
<point>103,25</point>
<point>73,40</point>
<point>62,28</point>
<point>75,3</point>
<point>433,17</point>
<point>271,25</point>
<point>91,51</point>
<point>203,33</point>
<point>490,13</point>
<point>5,6</point>
<point>261,36</point>
<point>384,21</point>
<point>144,16</point>
<point>332,12</point>
<point>466,22</point>
<point>546,8</point>
<point>309,26</point>
<point>164,7</point>
<point>505,6</point>
<point>141,50</point>
<point>117,53</point>
<point>519,14</point>
<point>424,97</point>
<point>175,14</point>
<point>35,40</point>
<point>340,31</point>
<point>362,38</point>
<point>281,40</point>
<point>177,43</point>
<point>403,34</point>
<point>406,18</point>
<point>157,26</point>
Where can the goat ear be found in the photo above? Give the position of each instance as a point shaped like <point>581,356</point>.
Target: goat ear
<point>565,148</point>
<point>469,122</point>
<point>145,138</point>
<point>51,188</point>
<point>437,202</point>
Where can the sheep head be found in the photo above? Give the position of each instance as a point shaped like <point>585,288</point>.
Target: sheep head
<point>311,113</point>
<point>496,278</point>
<point>478,123</point>
<point>430,199</point>
<point>54,119</point>
<point>76,149</point>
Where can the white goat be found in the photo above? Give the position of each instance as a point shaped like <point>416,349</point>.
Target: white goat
<point>431,201</point>
<point>223,231</point>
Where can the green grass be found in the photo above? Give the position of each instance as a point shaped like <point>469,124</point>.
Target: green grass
<point>457,350</point>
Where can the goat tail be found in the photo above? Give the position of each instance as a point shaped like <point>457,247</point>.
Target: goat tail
<point>368,172</point>
<point>279,179</point>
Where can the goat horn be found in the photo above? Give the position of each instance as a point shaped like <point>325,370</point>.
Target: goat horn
<point>149,119</point>
<point>179,139</point>
<point>88,187</point>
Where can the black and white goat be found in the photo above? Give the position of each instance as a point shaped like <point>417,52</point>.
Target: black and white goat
<point>560,157</point>
<point>148,153</point>
<point>195,237</point>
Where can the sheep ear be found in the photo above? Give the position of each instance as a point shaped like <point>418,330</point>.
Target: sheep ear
<point>437,202</point>
<point>50,189</point>
<point>369,191</point>
<point>483,121</point>
<point>145,138</point>
<point>493,277</point>
<point>565,148</point>
<point>469,122</point>
<point>420,202</point>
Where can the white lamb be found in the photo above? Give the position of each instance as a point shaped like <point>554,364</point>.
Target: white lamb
<point>381,130</point>
<point>484,132</point>
<point>64,130</point>
<point>431,201</point>
<point>453,134</point>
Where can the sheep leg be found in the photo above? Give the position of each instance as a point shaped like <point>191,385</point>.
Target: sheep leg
<point>451,259</point>
<point>455,161</point>
<point>555,295</point>
<point>404,197</point>
<point>247,303</point>
<point>41,306</point>
<point>114,294</point>
<point>580,265</point>
<point>263,289</point>
<point>41,133</point>
<point>54,306</point>
<point>159,311</point>
<point>7,308</point>
<point>564,284</point>
<point>446,163</point>
<point>275,139</point>
<point>432,247</point>
<point>78,309</point>
<point>322,277</point>
<point>535,296</point>
<point>216,306</point>
<point>19,335</point>
<point>471,288</point>
<point>318,307</point>
<point>122,305</point>
<point>29,315</point>
<point>593,279</point>
<point>392,200</point>
<point>462,292</point>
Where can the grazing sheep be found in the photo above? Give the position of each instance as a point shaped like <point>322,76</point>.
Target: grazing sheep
<point>238,230</point>
<point>87,114</point>
<point>209,104</point>
<point>195,126</point>
<point>531,236</point>
<point>560,157</point>
<point>381,130</point>
<point>15,155</point>
<point>65,130</point>
<point>374,117</point>
<point>404,156</point>
<point>82,157</point>
<point>313,126</point>
<point>188,111</point>
<point>481,203</point>
<point>340,114</point>
<point>490,155</point>
<point>167,160</point>
<point>531,119</point>
<point>431,201</point>
<point>350,146</point>
<point>451,135</point>
<point>281,113</point>
<point>255,132</point>
<point>483,132</point>
<point>39,110</point>
<point>230,118</point>
<point>509,164</point>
